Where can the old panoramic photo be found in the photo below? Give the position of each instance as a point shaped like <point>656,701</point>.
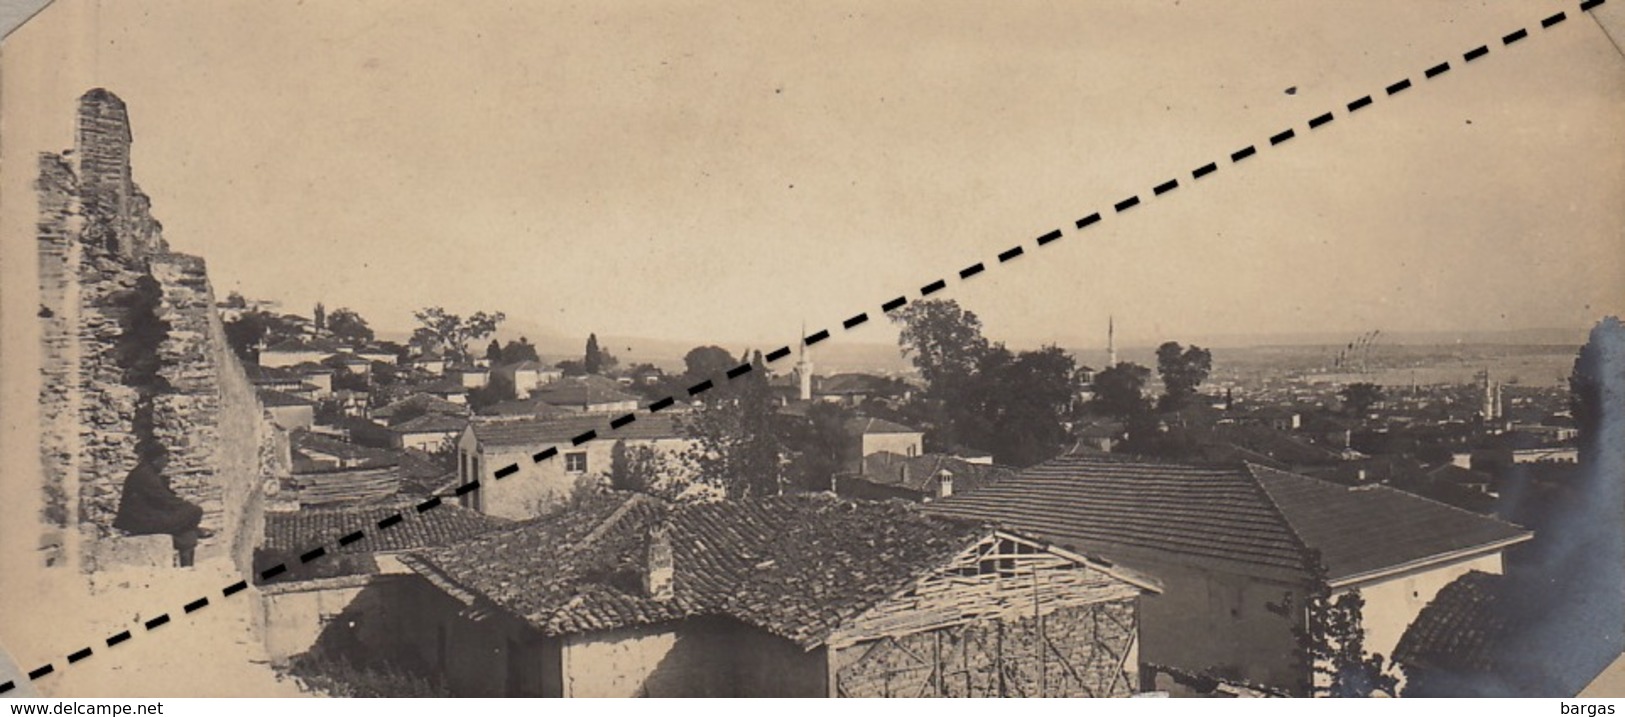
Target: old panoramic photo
<point>727,349</point>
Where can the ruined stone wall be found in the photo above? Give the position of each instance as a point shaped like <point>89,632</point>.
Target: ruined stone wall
<point>59,314</point>
<point>101,253</point>
<point>209,419</point>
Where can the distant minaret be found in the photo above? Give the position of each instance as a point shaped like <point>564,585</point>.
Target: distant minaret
<point>1111,342</point>
<point>804,367</point>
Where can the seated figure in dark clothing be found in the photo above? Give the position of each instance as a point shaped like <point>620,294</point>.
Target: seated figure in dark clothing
<point>150,507</point>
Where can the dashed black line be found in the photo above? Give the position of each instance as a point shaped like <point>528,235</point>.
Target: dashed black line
<point>809,340</point>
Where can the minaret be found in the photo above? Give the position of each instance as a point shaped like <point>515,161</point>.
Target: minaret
<point>1111,342</point>
<point>804,367</point>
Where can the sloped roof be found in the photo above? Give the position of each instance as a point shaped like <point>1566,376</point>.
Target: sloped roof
<point>528,431</point>
<point>269,374</point>
<point>432,423</point>
<point>271,398</point>
<point>1133,509</point>
<point>1367,529</point>
<point>1248,519</point>
<point>534,407</point>
<point>300,530</point>
<point>422,403</point>
<point>864,425</point>
<point>795,566</point>
<point>919,473</point>
<point>1278,445</point>
<point>1461,629</point>
<point>583,391</point>
<point>302,345</point>
<point>309,441</point>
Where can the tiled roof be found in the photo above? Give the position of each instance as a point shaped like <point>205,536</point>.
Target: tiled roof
<point>444,386</point>
<point>302,345</point>
<point>310,442</point>
<point>432,423</point>
<point>919,473</point>
<point>526,431</point>
<point>330,486</point>
<point>268,374</point>
<point>795,566</point>
<point>1249,519</point>
<point>1364,529</point>
<point>1461,629</point>
<point>1278,445</point>
<point>583,391</point>
<point>864,425</point>
<point>1138,510</point>
<point>300,530</point>
<point>421,403</point>
<point>270,397</point>
<point>533,407</point>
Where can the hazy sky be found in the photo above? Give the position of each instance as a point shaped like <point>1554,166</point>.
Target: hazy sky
<point>726,171</point>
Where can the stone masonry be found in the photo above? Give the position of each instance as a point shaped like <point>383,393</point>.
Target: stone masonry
<point>98,246</point>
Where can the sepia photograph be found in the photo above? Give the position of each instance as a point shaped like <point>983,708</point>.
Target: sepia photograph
<point>1089,349</point>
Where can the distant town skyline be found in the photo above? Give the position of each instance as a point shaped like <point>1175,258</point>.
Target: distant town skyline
<point>730,172</point>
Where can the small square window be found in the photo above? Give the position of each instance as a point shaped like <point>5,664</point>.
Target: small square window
<point>575,462</point>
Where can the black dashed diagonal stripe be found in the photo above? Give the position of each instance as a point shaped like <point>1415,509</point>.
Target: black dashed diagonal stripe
<point>779,354</point>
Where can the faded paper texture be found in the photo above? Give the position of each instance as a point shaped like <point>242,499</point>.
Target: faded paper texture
<point>260,240</point>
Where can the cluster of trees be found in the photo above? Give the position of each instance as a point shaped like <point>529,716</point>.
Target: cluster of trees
<point>514,352</point>
<point>452,334</point>
<point>1019,406</point>
<point>980,394</point>
<point>1358,398</point>
<point>252,329</point>
<point>743,446</point>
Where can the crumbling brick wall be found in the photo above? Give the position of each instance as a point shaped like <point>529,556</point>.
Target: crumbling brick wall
<point>99,246</point>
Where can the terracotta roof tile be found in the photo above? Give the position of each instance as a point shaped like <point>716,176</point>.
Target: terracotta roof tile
<point>795,566</point>
<point>300,530</point>
<point>1461,629</point>
<point>1252,519</point>
<point>527,431</point>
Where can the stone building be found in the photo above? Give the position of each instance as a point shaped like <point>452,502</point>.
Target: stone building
<point>133,351</point>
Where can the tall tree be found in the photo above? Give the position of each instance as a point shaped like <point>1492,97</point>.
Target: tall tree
<point>1597,384</point>
<point>347,325</point>
<point>703,362</point>
<point>1120,392</point>
<point>1182,370</point>
<point>736,447</point>
<point>944,341</point>
<point>318,318</point>
<point>1358,398</point>
<point>493,352</point>
<point>593,360</point>
<point>452,333</point>
<point>816,444</point>
<point>1025,402</point>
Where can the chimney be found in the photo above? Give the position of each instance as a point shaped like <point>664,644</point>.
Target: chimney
<point>658,565</point>
<point>945,483</point>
